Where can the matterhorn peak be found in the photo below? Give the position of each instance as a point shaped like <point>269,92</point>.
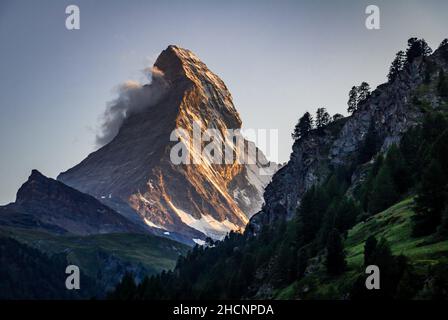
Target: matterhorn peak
<point>177,63</point>
<point>134,173</point>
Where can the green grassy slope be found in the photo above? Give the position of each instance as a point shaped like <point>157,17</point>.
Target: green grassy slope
<point>394,224</point>
<point>154,254</point>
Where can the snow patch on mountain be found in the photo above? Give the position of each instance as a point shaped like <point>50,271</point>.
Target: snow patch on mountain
<point>206,224</point>
<point>199,242</point>
<point>152,224</point>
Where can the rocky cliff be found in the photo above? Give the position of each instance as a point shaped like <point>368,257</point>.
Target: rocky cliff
<point>387,113</point>
<point>135,175</point>
<point>46,204</point>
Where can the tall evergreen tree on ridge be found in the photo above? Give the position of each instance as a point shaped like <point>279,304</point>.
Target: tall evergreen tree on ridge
<point>444,47</point>
<point>363,92</point>
<point>352,100</point>
<point>357,95</point>
<point>417,48</point>
<point>443,43</point>
<point>303,127</point>
<point>337,117</point>
<point>397,65</point>
<point>442,85</point>
<point>322,118</point>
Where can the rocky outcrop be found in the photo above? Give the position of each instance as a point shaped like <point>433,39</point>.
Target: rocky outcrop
<point>389,111</point>
<point>135,175</point>
<point>46,204</point>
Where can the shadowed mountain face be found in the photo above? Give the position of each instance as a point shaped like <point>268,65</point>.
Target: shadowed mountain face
<point>46,204</point>
<point>134,174</point>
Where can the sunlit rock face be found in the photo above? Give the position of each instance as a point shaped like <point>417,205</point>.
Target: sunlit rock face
<point>135,175</point>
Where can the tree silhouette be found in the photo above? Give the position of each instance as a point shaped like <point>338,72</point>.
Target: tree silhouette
<point>337,117</point>
<point>363,92</point>
<point>352,100</point>
<point>357,95</point>
<point>396,66</point>
<point>303,127</point>
<point>417,48</point>
<point>442,85</point>
<point>430,200</point>
<point>384,192</point>
<point>322,118</point>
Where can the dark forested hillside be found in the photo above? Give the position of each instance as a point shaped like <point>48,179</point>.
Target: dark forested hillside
<point>27,273</point>
<point>103,260</point>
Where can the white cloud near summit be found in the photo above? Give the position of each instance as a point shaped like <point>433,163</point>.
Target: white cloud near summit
<point>133,97</point>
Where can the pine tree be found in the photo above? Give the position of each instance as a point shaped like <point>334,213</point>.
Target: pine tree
<point>335,261</point>
<point>384,192</point>
<point>444,48</point>
<point>417,48</point>
<point>399,169</point>
<point>345,215</point>
<point>410,148</point>
<point>442,86</point>
<point>305,213</point>
<point>337,117</point>
<point>430,200</point>
<point>302,261</point>
<point>369,250</point>
<point>282,265</point>
<point>309,214</point>
<point>396,66</point>
<point>442,230</point>
<point>443,43</point>
<point>322,118</point>
<point>363,92</point>
<point>357,95</point>
<point>303,127</point>
<point>413,50</point>
<point>328,224</point>
<point>439,150</point>
<point>126,289</point>
<point>352,100</point>
<point>366,188</point>
<point>392,269</point>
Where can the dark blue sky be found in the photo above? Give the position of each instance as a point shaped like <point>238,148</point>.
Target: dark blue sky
<point>278,58</point>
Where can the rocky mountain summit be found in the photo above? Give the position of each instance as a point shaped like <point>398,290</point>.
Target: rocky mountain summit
<point>134,173</point>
